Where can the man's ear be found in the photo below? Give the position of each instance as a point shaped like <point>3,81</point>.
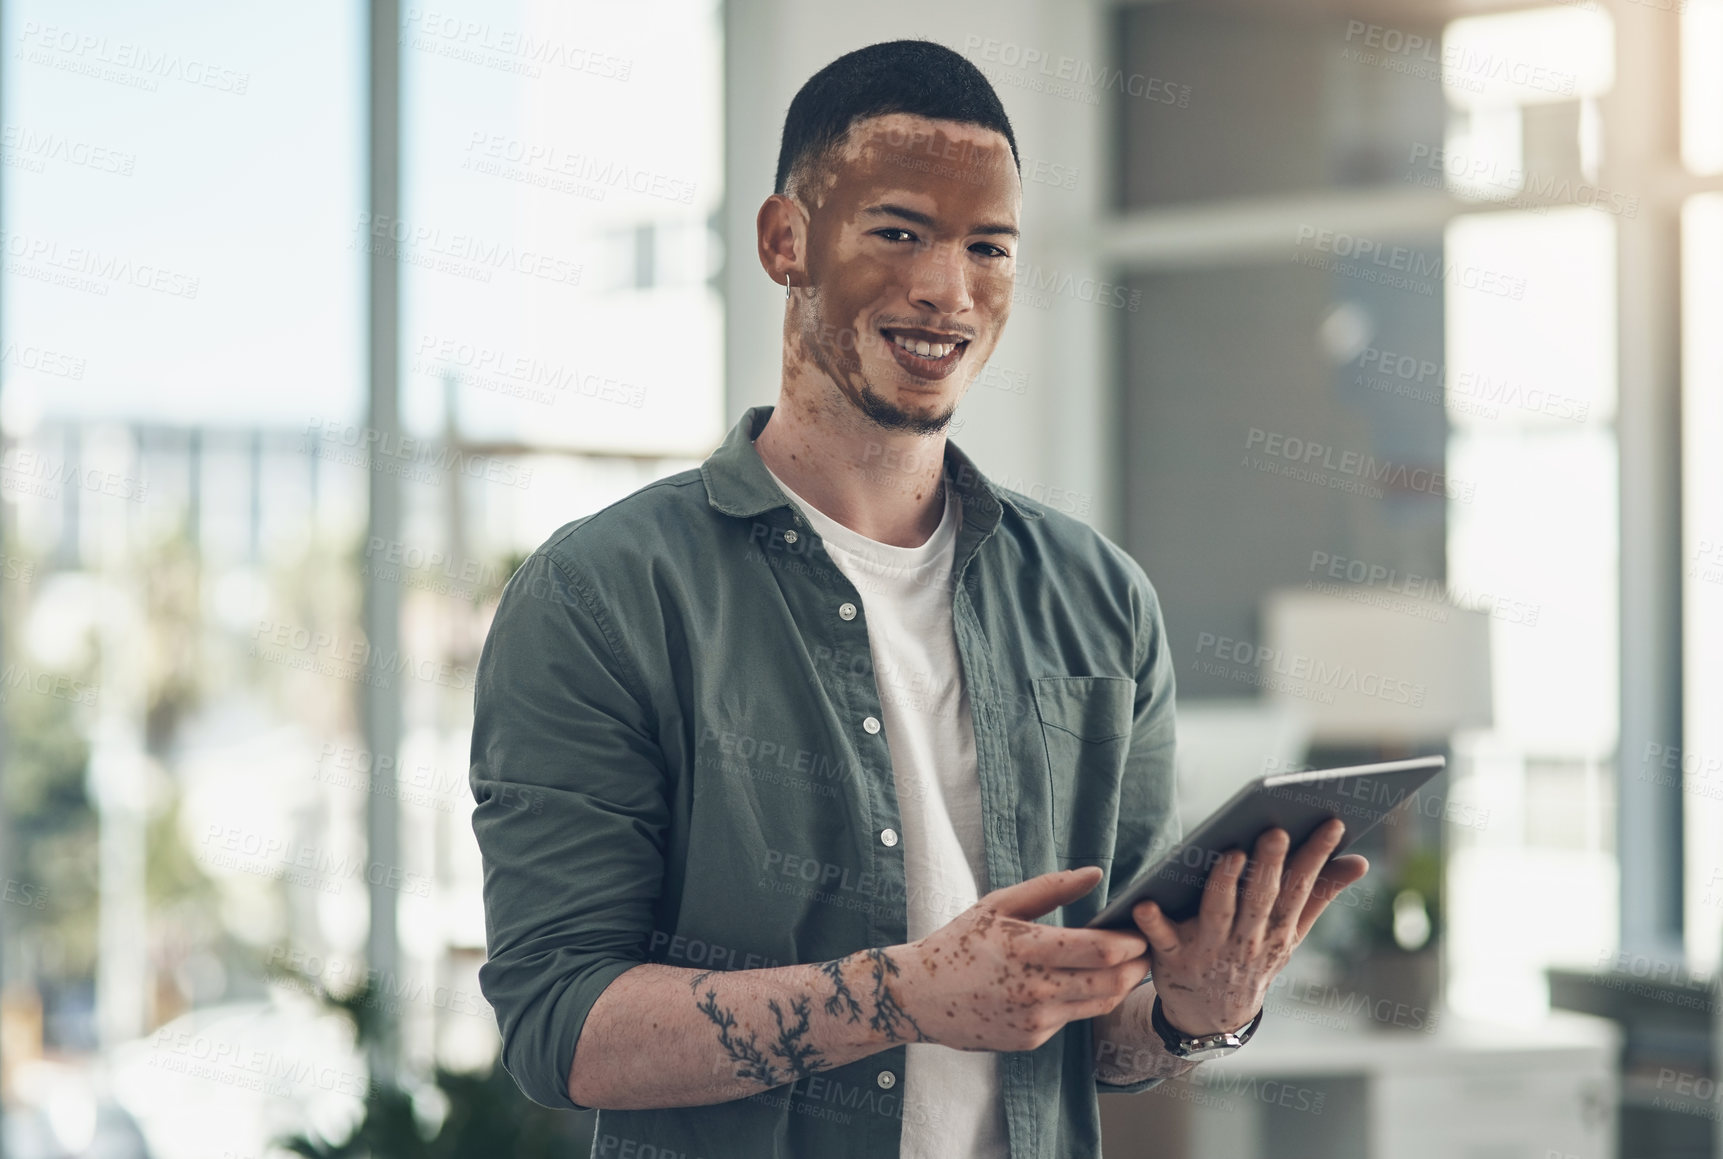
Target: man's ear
<point>782,231</point>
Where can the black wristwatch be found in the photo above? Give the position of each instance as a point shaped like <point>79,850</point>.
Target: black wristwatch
<point>1201,1047</point>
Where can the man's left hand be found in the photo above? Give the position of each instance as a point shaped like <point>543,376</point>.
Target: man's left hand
<point>1213,971</point>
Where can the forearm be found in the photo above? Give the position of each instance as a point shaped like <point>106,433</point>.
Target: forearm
<point>1127,1049</point>
<point>664,1036</point>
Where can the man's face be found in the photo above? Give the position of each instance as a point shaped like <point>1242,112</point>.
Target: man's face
<point>911,254</point>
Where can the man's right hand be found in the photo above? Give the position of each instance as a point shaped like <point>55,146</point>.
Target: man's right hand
<point>994,979</point>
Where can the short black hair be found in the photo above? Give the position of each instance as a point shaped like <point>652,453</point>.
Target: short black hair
<point>918,77</point>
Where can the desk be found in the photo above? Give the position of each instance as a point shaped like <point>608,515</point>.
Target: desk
<point>1351,1090</point>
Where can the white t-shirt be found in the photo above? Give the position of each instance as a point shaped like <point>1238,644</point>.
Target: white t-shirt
<point>952,1104</point>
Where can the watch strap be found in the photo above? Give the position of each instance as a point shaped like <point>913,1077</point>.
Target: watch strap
<point>1181,1044</point>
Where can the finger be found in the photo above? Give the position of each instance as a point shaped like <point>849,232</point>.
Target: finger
<point>1301,873</point>
<point>1080,986</point>
<point>1163,936</point>
<point>1261,882</point>
<point>1335,876</point>
<point>1340,873</point>
<point>1045,893</point>
<point>1072,949</point>
<point>1220,892</point>
<point>1093,1008</point>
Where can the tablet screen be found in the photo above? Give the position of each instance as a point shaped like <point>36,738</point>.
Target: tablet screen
<point>1360,795</point>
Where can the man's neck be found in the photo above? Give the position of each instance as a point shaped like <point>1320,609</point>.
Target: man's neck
<point>883,484</point>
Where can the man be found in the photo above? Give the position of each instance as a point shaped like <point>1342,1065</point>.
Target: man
<point>779,761</point>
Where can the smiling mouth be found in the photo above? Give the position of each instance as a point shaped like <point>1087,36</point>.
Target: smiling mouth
<point>929,346</point>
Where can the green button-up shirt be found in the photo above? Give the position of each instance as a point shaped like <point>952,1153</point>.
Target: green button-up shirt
<point>670,765</point>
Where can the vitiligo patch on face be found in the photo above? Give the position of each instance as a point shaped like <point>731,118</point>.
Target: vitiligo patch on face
<point>902,325</point>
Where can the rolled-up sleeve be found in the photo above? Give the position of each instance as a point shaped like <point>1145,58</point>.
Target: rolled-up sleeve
<point>1149,824</point>
<point>570,817</point>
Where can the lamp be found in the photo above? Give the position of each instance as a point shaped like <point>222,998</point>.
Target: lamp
<point>1382,671</point>
<point>1375,668</point>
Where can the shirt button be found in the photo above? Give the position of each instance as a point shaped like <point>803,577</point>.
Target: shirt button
<point>790,537</point>
<point>888,837</point>
<point>886,1080</point>
<point>870,725</point>
<point>846,611</point>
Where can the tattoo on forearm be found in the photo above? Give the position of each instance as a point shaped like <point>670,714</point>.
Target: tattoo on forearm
<point>800,1058</point>
<point>791,1055</point>
<point>889,1018</point>
<point>842,1000</point>
<point>745,1052</point>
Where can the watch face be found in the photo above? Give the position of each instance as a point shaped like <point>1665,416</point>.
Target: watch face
<point>1199,1048</point>
<point>1211,1052</point>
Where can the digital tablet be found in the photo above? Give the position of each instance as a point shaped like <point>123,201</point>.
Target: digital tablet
<point>1360,795</point>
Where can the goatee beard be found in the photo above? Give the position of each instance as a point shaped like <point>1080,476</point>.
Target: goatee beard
<point>892,418</point>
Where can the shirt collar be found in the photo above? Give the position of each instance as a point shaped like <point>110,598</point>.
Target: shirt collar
<point>738,484</point>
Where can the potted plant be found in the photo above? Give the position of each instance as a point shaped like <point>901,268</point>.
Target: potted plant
<point>448,1115</point>
<point>1399,967</point>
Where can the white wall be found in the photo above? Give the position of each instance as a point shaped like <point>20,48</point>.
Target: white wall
<point>1059,432</point>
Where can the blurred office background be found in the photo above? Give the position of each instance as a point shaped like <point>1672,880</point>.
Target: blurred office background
<point>1386,334</point>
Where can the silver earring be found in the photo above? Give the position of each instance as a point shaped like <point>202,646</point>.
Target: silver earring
<point>786,285</point>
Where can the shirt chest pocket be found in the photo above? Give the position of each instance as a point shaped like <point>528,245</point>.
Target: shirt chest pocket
<point>1086,730</point>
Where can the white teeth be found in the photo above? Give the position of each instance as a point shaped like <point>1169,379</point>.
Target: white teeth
<point>925,349</point>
